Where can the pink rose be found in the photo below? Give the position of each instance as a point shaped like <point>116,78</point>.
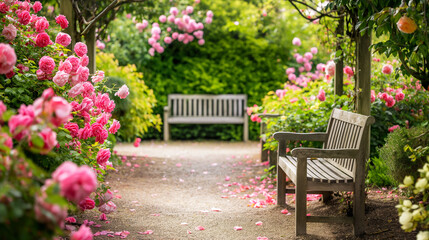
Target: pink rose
<point>103,119</point>
<point>349,71</point>
<point>100,45</point>
<point>137,142</point>
<point>103,217</point>
<point>37,6</point>
<point>99,132</point>
<point>3,109</point>
<point>76,90</point>
<point>114,127</point>
<point>103,156</point>
<point>83,73</point>
<point>390,101</point>
<point>49,140</point>
<point>62,21</point>
<point>107,207</point>
<point>86,204</point>
<point>85,132</point>
<point>47,64</point>
<point>62,110</point>
<point>88,89</point>
<point>84,60</point>
<point>65,66</point>
<point>19,124</point>
<point>42,39</point>
<point>98,77</point>
<point>86,104</point>
<point>4,8</point>
<point>162,18</point>
<point>296,41</point>
<point>84,233</point>
<point>399,96</point>
<point>61,78</point>
<point>330,68</point>
<point>70,220</point>
<point>201,42</point>
<point>42,24</point>
<point>24,17</point>
<point>9,32</point>
<point>63,39</point>
<point>174,11</point>
<point>393,128</point>
<point>209,14</point>
<point>80,49</point>
<point>122,92</point>
<point>6,140</point>
<point>75,62</point>
<point>209,20</point>
<point>291,77</point>
<point>372,96</point>
<point>73,128</point>
<point>76,183</point>
<point>387,69</point>
<point>321,95</point>
<point>7,58</point>
<point>105,197</point>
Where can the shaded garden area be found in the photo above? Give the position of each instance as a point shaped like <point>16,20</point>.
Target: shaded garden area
<point>77,78</point>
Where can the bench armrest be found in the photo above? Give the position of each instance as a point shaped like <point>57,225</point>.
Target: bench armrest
<point>166,108</point>
<point>291,136</point>
<point>303,152</point>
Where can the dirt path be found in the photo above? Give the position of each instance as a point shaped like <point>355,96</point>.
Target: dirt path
<point>177,187</point>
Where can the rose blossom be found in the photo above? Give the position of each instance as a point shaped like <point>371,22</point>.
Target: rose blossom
<point>321,95</point>
<point>114,127</point>
<point>103,217</point>
<point>62,110</point>
<point>4,8</point>
<point>63,39</point>
<point>48,212</point>
<point>80,49</point>
<point>387,69</point>
<point>76,90</point>
<point>9,32</point>
<point>84,60</point>
<point>399,96</point>
<point>103,119</point>
<point>42,24</point>
<point>393,128</point>
<point>49,140</point>
<point>107,207</point>
<point>37,6</point>
<point>137,142</point>
<point>98,77</point>
<point>330,68</point>
<point>61,78</point>
<point>7,58</point>
<point>122,92</point>
<point>83,73</point>
<point>3,109</point>
<point>349,71</point>
<point>84,233</point>
<point>85,132</point>
<point>62,21</point>
<point>42,39</point>
<point>75,62</point>
<point>73,128</point>
<point>47,64</point>
<point>99,132</point>
<point>76,183</point>
<point>24,17</point>
<point>103,156</point>
<point>372,96</point>
<point>86,204</point>
<point>296,41</point>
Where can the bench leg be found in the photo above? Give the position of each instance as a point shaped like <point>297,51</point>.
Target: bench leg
<point>359,212</point>
<point>166,131</point>
<point>281,186</point>
<point>301,198</point>
<point>273,157</point>
<point>264,153</point>
<point>246,128</point>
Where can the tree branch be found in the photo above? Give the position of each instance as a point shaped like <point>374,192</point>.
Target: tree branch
<point>100,15</point>
<point>321,14</point>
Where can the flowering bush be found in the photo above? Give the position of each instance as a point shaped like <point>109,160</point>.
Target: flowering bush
<point>65,130</point>
<point>413,213</point>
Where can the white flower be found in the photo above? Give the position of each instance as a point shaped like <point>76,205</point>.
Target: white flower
<point>421,184</point>
<point>405,220</point>
<point>407,203</point>
<point>423,235</point>
<point>408,180</point>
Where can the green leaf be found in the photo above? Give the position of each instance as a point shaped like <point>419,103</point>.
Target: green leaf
<point>37,141</point>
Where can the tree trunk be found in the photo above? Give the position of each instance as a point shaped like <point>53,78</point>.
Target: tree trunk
<point>66,9</point>
<point>363,84</point>
<point>90,43</point>
<point>339,76</point>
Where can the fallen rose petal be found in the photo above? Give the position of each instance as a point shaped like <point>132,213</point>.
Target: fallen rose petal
<point>155,214</point>
<point>199,228</point>
<point>238,228</point>
<point>147,232</point>
<point>258,223</point>
<point>97,225</point>
<point>284,211</point>
<point>189,232</point>
<point>184,223</point>
<point>216,209</point>
<point>178,165</point>
<point>262,238</point>
<point>132,210</point>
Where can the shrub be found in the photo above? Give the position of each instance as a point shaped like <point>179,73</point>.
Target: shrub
<point>378,173</point>
<point>397,160</point>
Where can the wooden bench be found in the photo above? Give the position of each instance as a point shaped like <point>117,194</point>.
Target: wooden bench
<point>206,109</point>
<point>338,166</point>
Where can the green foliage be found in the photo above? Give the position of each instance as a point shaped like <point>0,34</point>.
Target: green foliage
<point>378,173</point>
<point>397,160</point>
<point>140,103</point>
<point>244,53</point>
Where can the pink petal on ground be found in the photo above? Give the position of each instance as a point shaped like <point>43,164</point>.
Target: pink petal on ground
<point>181,180</point>
<point>238,228</point>
<point>284,211</point>
<point>110,235</point>
<point>163,179</point>
<point>262,238</point>
<point>155,214</point>
<point>178,165</point>
<point>118,196</point>
<point>227,178</point>
<point>132,170</point>
<point>205,172</point>
<point>132,210</point>
<point>258,223</point>
<point>308,214</point>
<point>128,164</point>
<point>189,232</point>
<point>136,165</point>
<point>216,209</point>
<point>147,232</point>
<point>115,191</point>
<point>97,225</point>
<point>199,228</point>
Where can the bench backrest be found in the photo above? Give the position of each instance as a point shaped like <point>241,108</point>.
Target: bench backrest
<point>207,106</point>
<point>346,130</point>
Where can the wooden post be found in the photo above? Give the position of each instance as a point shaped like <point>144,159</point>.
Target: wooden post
<point>90,43</point>
<point>338,82</point>
<point>363,84</point>
<point>66,9</point>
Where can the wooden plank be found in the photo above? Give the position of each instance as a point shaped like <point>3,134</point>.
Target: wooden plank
<point>174,106</point>
<point>215,107</point>
<point>194,108</point>
<point>179,107</point>
<point>210,107</point>
<point>235,106</point>
<point>200,107</point>
<point>229,104</point>
<point>185,107</point>
<point>240,107</point>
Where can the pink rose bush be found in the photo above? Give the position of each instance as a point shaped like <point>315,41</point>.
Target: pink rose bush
<point>177,25</point>
<point>70,120</point>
